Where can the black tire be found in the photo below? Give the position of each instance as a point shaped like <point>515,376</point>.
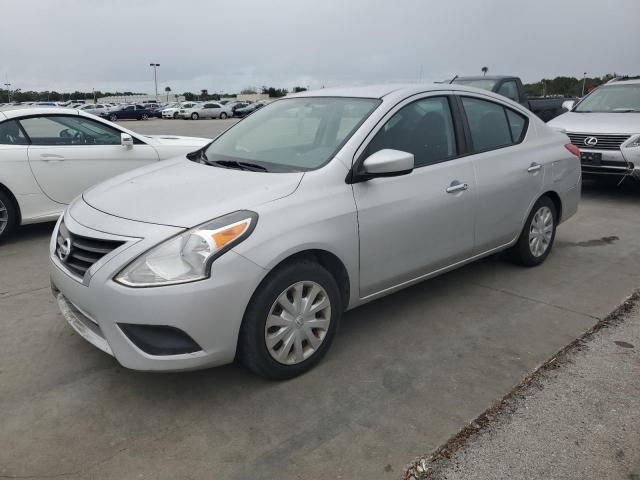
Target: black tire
<point>521,253</point>
<point>194,116</point>
<point>145,116</point>
<point>252,348</point>
<point>223,116</point>
<point>8,216</point>
<point>175,115</point>
<point>113,117</point>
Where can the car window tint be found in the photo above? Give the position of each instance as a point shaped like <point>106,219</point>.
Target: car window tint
<point>424,128</point>
<point>510,90</point>
<point>10,133</point>
<point>67,130</point>
<point>517,124</point>
<point>487,123</point>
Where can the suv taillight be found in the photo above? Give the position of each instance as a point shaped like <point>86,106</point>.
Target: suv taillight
<point>573,149</point>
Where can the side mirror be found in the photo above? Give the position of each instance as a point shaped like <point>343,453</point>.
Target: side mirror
<point>126,140</point>
<point>388,163</point>
<point>568,105</point>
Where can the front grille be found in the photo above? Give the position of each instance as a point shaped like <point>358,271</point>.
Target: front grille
<point>78,253</point>
<point>604,141</point>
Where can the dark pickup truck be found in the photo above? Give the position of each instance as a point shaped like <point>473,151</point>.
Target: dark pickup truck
<point>511,87</point>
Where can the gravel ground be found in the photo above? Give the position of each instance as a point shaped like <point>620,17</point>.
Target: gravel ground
<point>577,417</point>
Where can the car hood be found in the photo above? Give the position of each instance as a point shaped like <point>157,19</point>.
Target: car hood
<point>621,123</point>
<point>183,193</point>
<point>169,140</point>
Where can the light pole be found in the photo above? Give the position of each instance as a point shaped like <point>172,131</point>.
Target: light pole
<point>8,85</point>
<point>155,75</point>
<point>584,79</point>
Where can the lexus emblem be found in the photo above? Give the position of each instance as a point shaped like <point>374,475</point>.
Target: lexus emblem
<point>591,141</point>
<point>64,250</point>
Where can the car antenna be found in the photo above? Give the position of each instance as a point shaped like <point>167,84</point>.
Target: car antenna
<point>453,79</point>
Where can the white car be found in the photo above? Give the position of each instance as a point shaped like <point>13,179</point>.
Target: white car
<point>94,108</point>
<point>174,112</point>
<point>48,156</point>
<point>206,110</point>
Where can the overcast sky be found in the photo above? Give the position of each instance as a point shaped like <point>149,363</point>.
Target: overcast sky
<point>225,45</point>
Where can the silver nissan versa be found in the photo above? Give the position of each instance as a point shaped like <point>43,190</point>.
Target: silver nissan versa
<point>253,246</point>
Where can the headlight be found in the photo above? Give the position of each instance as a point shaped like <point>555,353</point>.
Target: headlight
<point>634,143</point>
<point>187,257</point>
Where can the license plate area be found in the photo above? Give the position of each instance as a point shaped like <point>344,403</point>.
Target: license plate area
<point>591,158</point>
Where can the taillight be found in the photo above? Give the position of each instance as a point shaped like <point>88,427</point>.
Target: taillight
<point>573,149</point>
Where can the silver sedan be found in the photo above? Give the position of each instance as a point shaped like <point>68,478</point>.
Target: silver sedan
<point>253,246</point>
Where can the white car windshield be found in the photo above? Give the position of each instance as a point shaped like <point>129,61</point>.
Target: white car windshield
<point>612,99</point>
<point>290,135</point>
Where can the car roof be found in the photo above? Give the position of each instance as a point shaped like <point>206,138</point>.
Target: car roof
<point>14,112</point>
<point>484,77</point>
<point>622,81</point>
<point>396,90</point>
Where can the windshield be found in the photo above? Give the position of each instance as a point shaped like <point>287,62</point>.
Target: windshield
<point>612,98</point>
<point>483,83</point>
<point>292,135</point>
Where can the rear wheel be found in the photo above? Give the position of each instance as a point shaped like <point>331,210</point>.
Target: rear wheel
<point>8,216</point>
<point>145,116</point>
<point>538,234</point>
<point>290,321</point>
<point>194,116</point>
<point>223,115</point>
<point>175,115</point>
<point>113,117</point>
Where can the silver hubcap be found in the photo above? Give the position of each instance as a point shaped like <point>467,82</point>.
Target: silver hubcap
<point>4,217</point>
<point>297,323</point>
<point>541,231</point>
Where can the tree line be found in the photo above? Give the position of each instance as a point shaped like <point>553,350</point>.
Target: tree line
<point>52,96</point>
<point>567,86</point>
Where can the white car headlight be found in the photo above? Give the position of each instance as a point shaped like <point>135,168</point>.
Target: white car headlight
<point>635,143</point>
<point>188,256</point>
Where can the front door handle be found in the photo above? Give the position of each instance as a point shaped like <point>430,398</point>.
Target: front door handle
<point>457,187</point>
<point>534,167</point>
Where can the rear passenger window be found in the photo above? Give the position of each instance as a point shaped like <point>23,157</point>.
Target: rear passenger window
<point>424,128</point>
<point>517,123</point>
<point>492,125</point>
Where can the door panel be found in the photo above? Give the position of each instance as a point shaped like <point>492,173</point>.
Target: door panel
<point>508,169</point>
<point>70,153</point>
<point>63,172</point>
<point>410,226</point>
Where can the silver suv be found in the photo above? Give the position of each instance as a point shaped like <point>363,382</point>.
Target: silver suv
<point>605,125</point>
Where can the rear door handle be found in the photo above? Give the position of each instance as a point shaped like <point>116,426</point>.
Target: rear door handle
<point>457,187</point>
<point>534,167</point>
<point>48,157</point>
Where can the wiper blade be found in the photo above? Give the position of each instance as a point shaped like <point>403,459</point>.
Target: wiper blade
<point>252,167</point>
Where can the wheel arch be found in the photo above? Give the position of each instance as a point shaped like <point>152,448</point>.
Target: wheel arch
<point>4,189</point>
<point>334,265</point>
<point>557,202</point>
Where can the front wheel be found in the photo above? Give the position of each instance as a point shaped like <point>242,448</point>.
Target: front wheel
<point>8,216</point>
<point>537,236</point>
<point>194,116</point>
<point>175,115</point>
<point>145,116</point>
<point>290,321</point>
<point>113,117</point>
<point>223,116</point>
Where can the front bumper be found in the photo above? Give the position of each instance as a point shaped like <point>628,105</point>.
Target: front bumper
<point>625,161</point>
<point>209,311</point>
